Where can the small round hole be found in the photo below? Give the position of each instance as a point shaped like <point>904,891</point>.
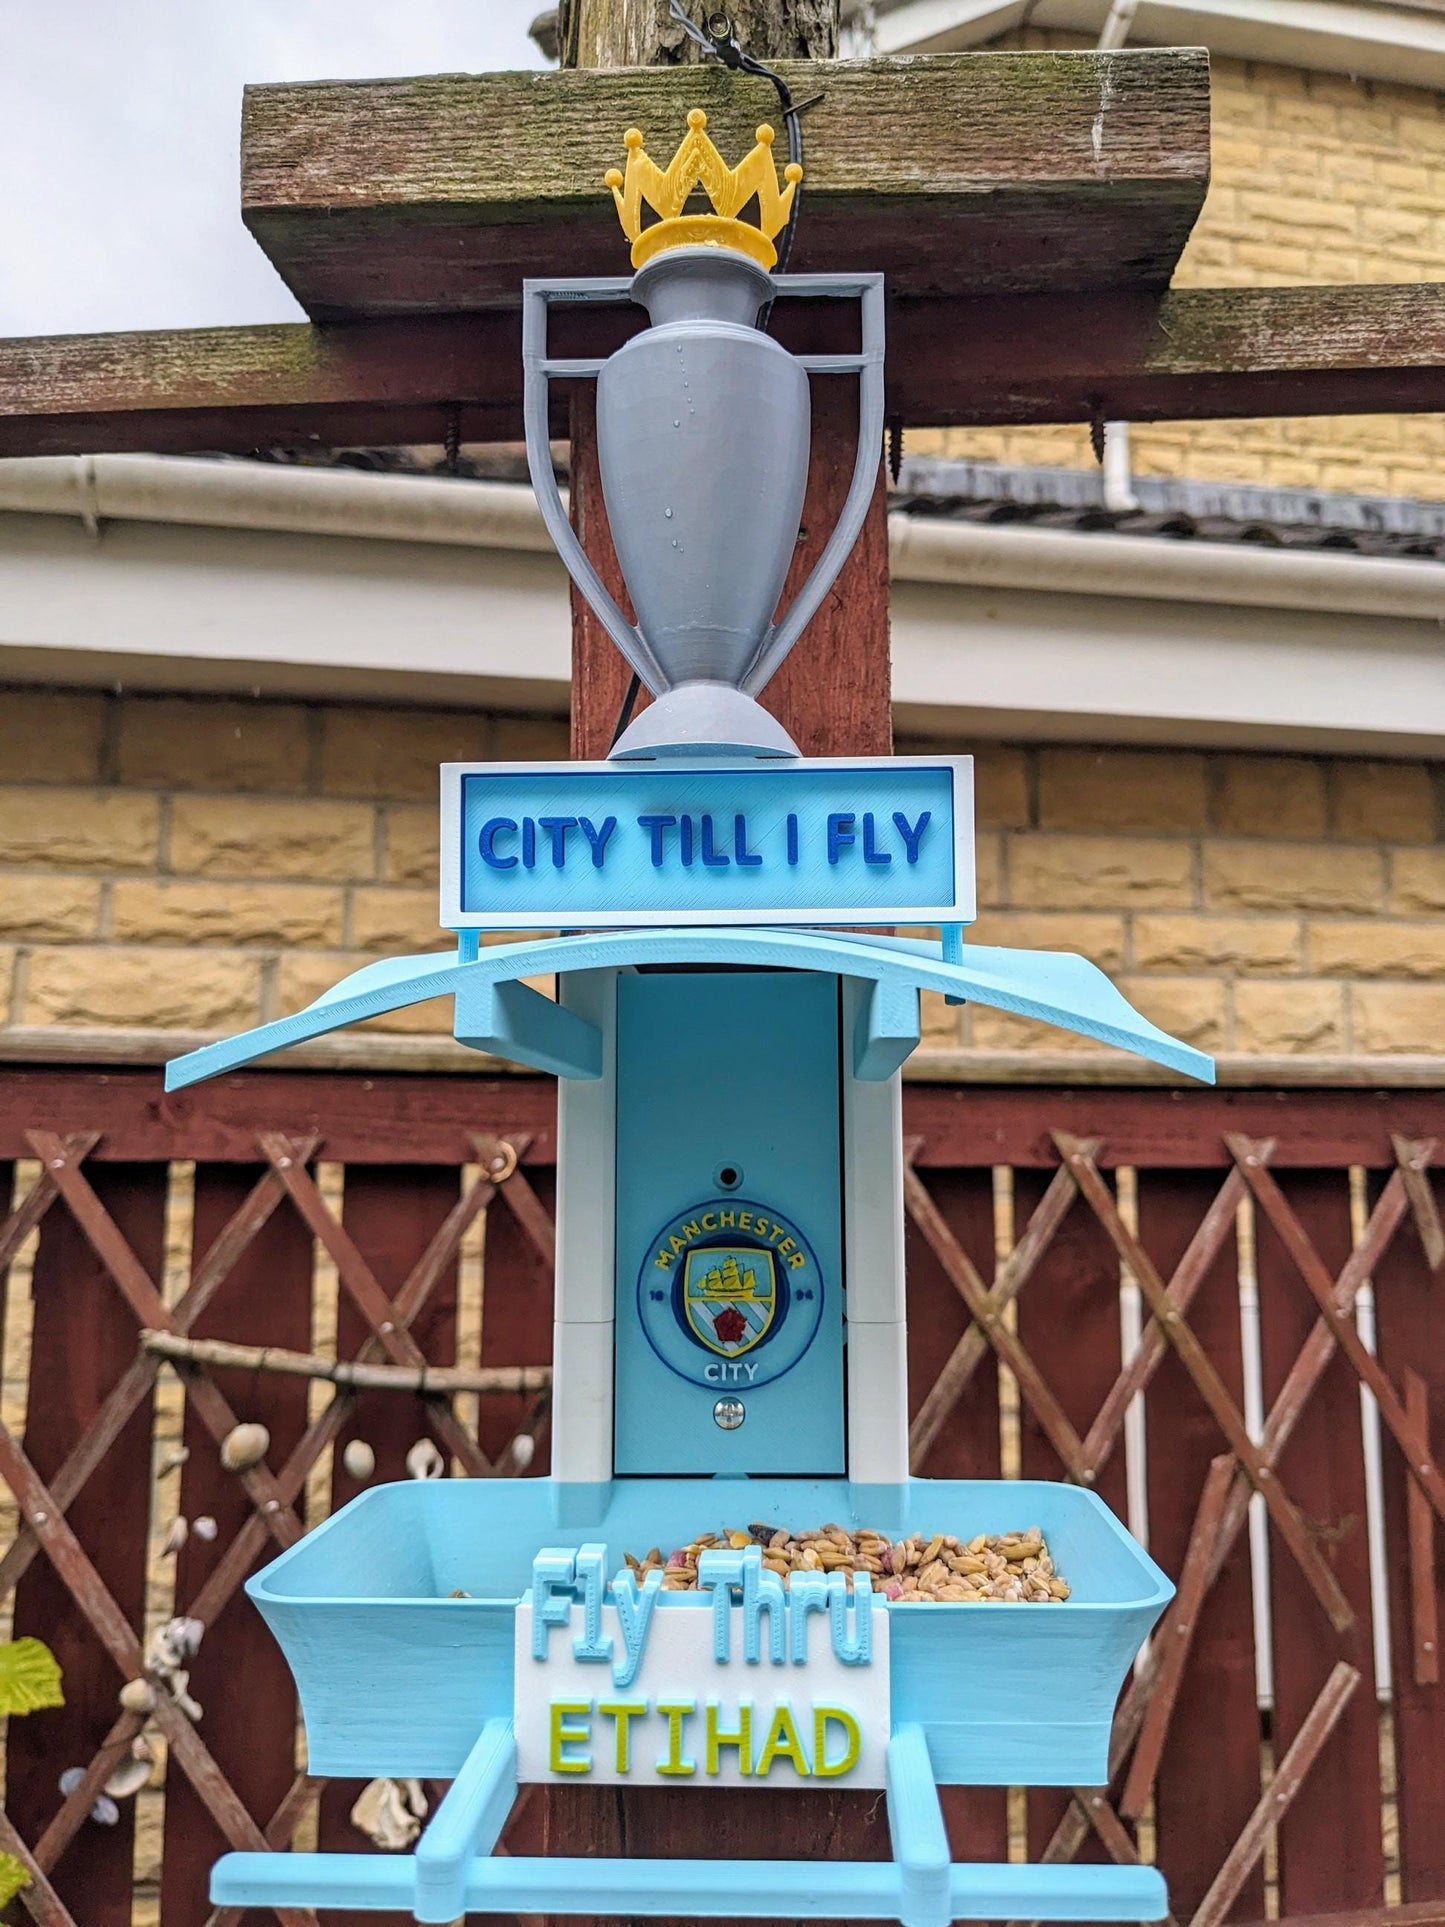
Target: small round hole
<point>728,1177</point>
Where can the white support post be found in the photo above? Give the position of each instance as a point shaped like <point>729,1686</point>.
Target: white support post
<point>469,1821</point>
<point>873,1243</point>
<point>582,1386</point>
<point>920,1839</point>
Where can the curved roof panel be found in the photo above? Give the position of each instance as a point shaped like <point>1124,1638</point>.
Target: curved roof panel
<point>1054,987</point>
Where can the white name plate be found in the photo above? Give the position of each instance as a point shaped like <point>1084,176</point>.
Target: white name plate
<point>823,840</point>
<point>690,1718</point>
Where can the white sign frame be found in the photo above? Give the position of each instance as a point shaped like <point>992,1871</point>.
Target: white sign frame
<point>679,1664</point>
<point>602,916</point>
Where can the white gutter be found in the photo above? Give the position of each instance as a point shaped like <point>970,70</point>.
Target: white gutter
<point>1157,569</point>
<point>260,495</point>
<point>504,516</point>
<point>1374,41</point>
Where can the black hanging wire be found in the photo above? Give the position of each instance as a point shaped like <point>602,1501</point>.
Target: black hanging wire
<point>718,38</point>
<point>624,715</point>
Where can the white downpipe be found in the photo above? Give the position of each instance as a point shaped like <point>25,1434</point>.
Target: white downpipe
<point>1375,1504</point>
<point>1119,496</point>
<point>1253,1373</point>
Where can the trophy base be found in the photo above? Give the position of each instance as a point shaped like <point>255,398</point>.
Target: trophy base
<point>703,719</point>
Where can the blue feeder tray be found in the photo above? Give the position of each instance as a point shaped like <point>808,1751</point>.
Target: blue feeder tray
<point>398,1679</point>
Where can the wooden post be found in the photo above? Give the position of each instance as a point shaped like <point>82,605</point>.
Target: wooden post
<point>642,33</point>
<point>832,694</point>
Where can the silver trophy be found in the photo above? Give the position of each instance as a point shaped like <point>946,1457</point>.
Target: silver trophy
<point>702,437</point>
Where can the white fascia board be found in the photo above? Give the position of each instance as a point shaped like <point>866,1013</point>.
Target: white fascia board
<point>996,632</point>
<point>946,26</point>
<point>214,609</point>
<point>1326,36</point>
<point>1094,668</point>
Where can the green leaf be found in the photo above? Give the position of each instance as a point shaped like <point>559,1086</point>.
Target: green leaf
<point>13,1875</point>
<point>29,1677</point>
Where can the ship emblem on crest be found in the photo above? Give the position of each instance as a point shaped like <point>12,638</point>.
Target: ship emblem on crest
<point>729,1296</point>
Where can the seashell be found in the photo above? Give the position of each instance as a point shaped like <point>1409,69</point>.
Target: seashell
<point>205,1527</point>
<point>179,1682</point>
<point>188,1634</point>
<point>524,1450</point>
<point>132,1771</point>
<point>137,1696</point>
<point>244,1446</point>
<point>359,1460</point>
<point>180,1531</point>
<point>105,1812</point>
<point>390,1813</point>
<point>424,1461</point>
<point>177,1640</point>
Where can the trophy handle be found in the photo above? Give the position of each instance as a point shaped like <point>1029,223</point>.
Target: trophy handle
<point>538,369</point>
<point>868,366</point>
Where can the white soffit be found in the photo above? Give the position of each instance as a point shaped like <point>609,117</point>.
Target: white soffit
<point>1373,40</point>
<point>164,573</point>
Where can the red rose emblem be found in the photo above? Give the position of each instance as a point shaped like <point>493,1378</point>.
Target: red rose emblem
<point>730,1325</point>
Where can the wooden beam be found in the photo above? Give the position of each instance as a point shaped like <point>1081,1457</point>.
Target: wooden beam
<point>988,172</point>
<point>406,1117</point>
<point>1194,354</point>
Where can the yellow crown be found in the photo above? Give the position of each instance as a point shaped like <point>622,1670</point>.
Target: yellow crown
<point>697,163</point>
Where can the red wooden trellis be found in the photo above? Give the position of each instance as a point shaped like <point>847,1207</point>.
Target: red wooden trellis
<point>43,1524</point>
<point>1186,1754</point>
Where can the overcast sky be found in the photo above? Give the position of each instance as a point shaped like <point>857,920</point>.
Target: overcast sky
<point>119,122</point>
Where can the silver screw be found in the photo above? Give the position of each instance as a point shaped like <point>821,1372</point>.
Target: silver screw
<point>729,1413</point>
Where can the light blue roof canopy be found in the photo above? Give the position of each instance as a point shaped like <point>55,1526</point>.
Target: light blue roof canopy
<point>496,1011</point>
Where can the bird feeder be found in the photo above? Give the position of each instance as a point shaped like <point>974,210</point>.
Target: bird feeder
<point>728,1032</point>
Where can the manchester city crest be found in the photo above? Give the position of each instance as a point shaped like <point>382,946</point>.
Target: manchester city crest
<point>730,1294</point>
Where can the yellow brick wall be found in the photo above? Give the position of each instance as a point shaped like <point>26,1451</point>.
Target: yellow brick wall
<point>1316,178</point>
<point>204,865</point>
<point>1255,904</point>
<point>186,864</point>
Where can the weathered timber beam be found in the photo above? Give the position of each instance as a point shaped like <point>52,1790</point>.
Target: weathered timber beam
<point>1195,354</point>
<point>983,172</point>
<point>233,390</point>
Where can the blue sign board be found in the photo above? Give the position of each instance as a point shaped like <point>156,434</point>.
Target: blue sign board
<point>536,846</point>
